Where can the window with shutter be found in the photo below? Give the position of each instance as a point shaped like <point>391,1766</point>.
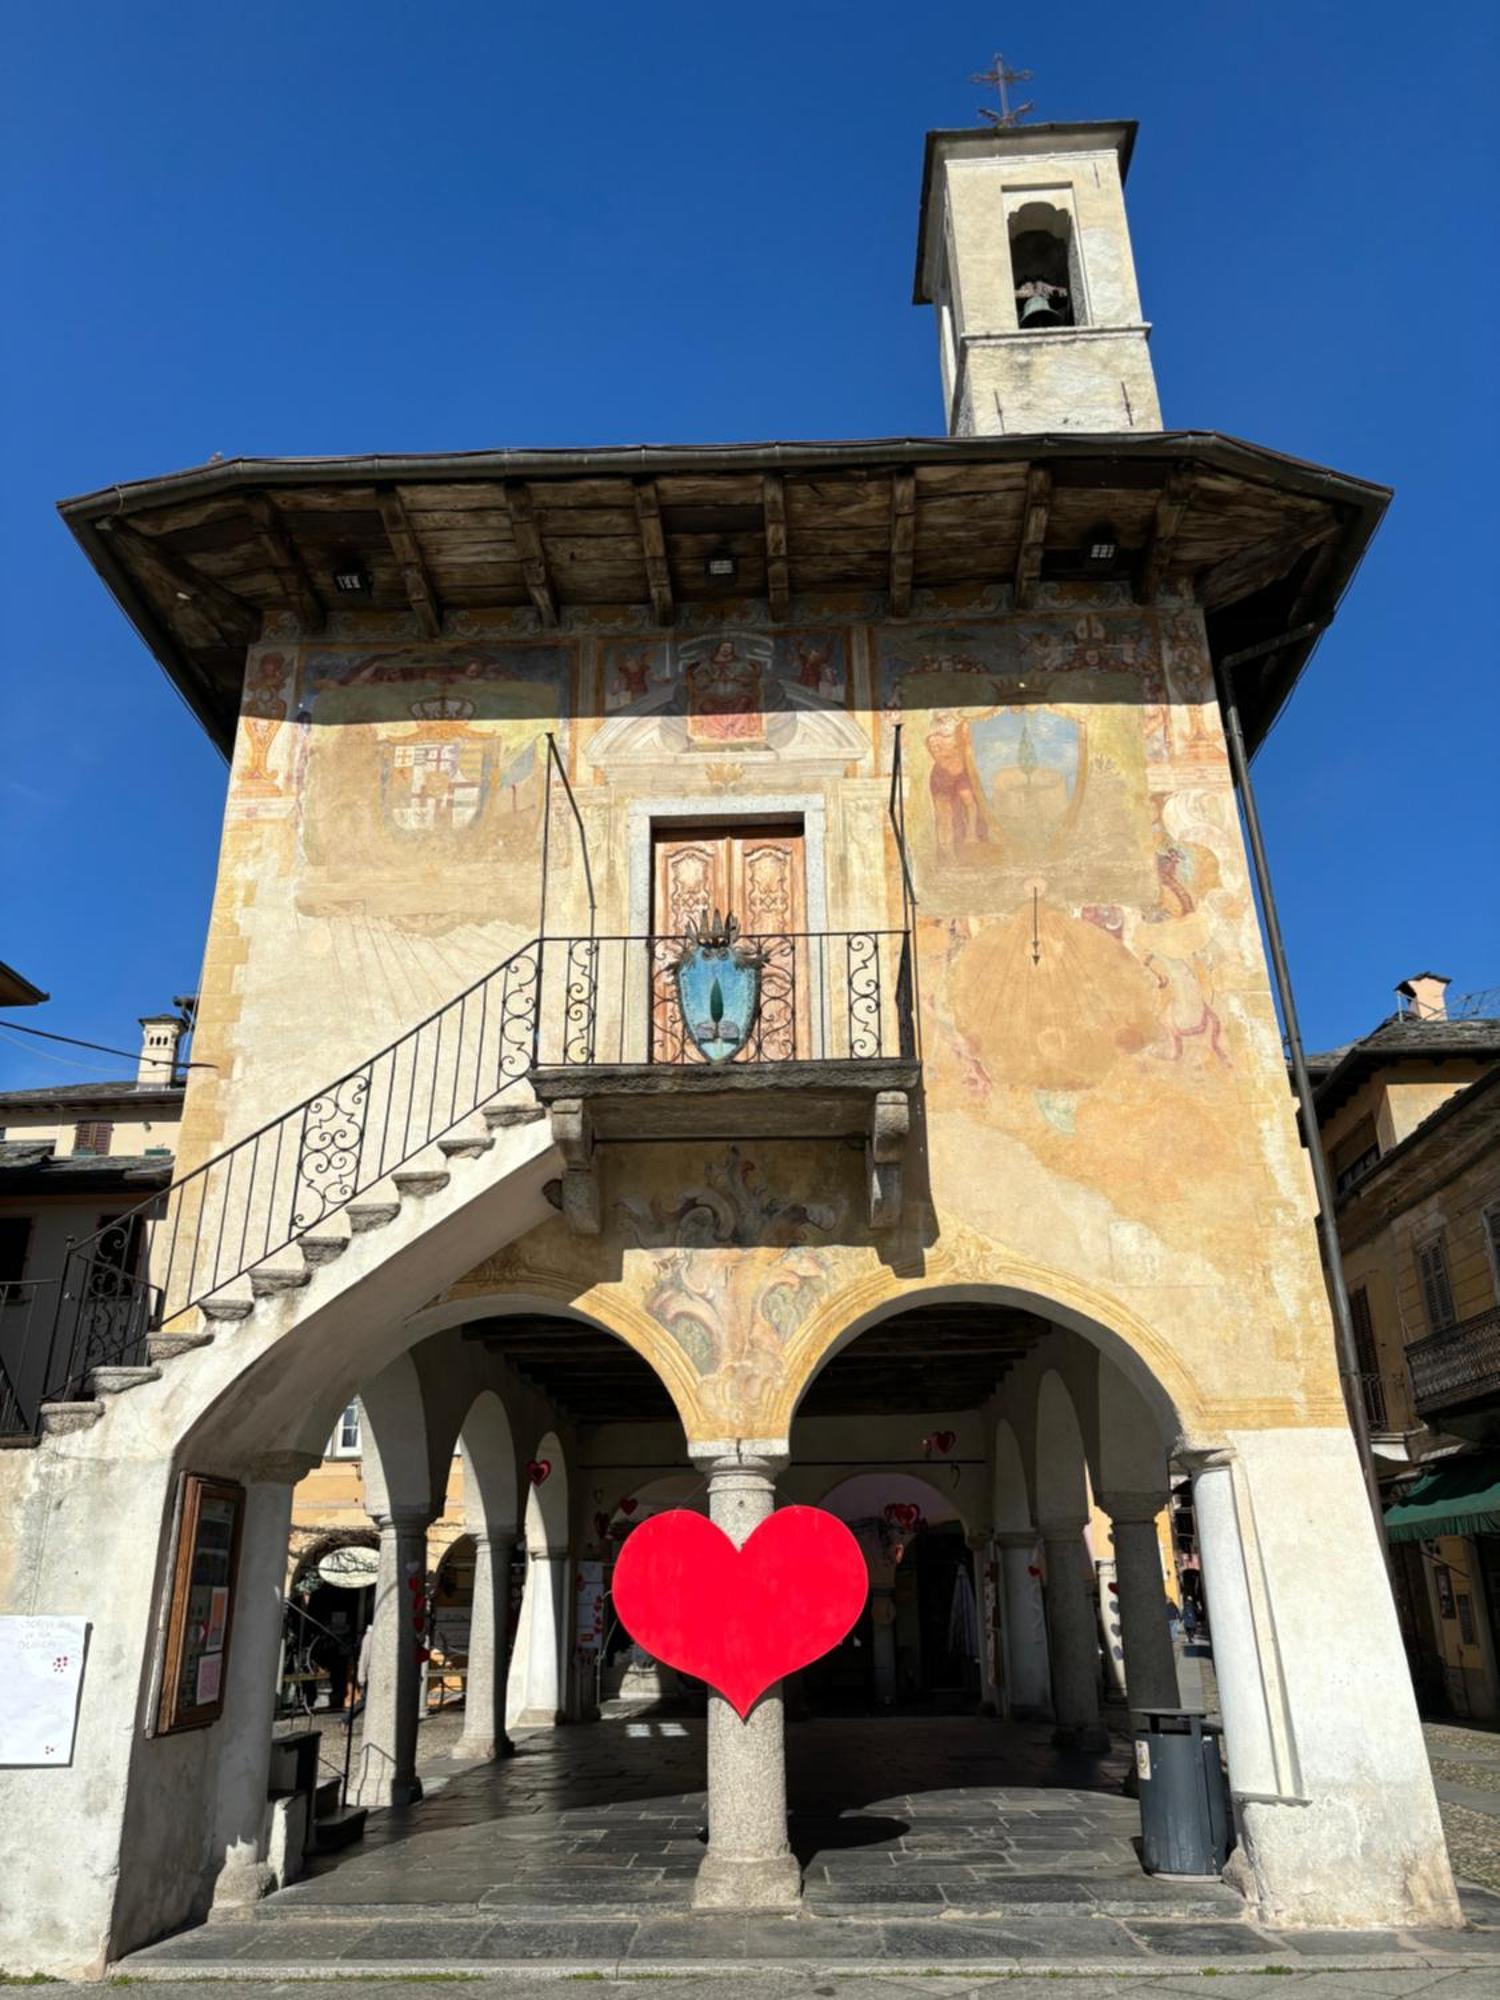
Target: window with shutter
<point>93,1136</point>
<point>1437,1293</point>
<point>1354,1155</point>
<point>1364,1330</point>
<point>1492,1244</point>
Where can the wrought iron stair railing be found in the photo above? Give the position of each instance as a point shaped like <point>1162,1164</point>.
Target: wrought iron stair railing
<point>269,1190</point>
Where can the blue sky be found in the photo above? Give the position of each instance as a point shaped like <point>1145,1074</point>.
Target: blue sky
<point>287,229</point>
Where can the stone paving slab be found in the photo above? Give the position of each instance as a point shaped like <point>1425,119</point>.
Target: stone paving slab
<point>1409,1982</point>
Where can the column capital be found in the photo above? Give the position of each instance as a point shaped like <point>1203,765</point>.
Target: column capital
<point>493,1537</point>
<point>979,1541</point>
<point>402,1520</point>
<point>1132,1509</point>
<point>1017,1538</point>
<point>1210,1458</point>
<point>1063,1531</point>
<point>764,1457</point>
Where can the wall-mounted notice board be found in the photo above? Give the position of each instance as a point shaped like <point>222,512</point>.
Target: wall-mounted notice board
<point>210,1515</point>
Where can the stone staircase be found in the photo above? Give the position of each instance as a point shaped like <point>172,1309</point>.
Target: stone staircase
<point>472,1162</point>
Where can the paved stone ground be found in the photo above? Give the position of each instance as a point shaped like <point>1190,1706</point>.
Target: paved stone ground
<point>1364,1982</point>
<point>1466,1773</point>
<point>929,1845</point>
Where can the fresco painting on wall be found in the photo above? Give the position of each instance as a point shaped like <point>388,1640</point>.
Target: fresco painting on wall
<point>428,768</point>
<point>732,1314</point>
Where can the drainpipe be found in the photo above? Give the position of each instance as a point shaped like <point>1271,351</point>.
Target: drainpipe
<point>1333,1256</point>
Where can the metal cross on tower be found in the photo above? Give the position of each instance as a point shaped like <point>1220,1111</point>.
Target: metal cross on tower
<point>1002,78</point>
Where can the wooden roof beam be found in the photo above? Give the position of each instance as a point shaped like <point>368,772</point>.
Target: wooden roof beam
<point>529,548</point>
<point>1264,562</point>
<point>407,550</point>
<point>778,570</point>
<point>236,620</point>
<point>903,539</point>
<point>297,586</point>
<point>1166,527</point>
<point>1033,534</point>
<point>654,551</point>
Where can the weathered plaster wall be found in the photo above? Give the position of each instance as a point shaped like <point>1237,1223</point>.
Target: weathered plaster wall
<point>1107,1123</point>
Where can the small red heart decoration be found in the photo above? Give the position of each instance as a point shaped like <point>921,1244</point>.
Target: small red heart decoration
<point>945,1441</point>
<point>628,1506</point>
<point>903,1513</point>
<point>539,1471</point>
<point>740,1618</point>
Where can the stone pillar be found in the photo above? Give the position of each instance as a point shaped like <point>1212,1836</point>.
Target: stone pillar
<point>250,1685</point>
<point>1073,1633</point>
<point>1236,1653</point>
<point>749,1864</point>
<point>1333,1789</point>
<point>883,1642</point>
<point>1150,1663</point>
<point>544,1632</point>
<point>484,1734</point>
<point>1023,1620</point>
<point>386,1769</point>
<point>982,1551</point>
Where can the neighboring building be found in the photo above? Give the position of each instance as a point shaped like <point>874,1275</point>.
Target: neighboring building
<point>16,991</point>
<point>1410,1121</point>
<point>75,1158</point>
<point>956,1179</point>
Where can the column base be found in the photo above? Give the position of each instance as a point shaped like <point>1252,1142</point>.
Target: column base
<point>242,1884</point>
<point>1080,1736</point>
<point>483,1749</point>
<point>731,1882</point>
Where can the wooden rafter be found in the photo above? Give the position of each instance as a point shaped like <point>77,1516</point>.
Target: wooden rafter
<point>778,570</point>
<point>407,550</point>
<point>654,551</point>
<point>1033,534</point>
<point>297,586</point>
<point>1264,562</point>
<point>529,548</point>
<point>1166,527</point>
<point>236,620</point>
<point>903,539</point>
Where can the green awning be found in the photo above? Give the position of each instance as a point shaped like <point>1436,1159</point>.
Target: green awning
<point>1459,1497</point>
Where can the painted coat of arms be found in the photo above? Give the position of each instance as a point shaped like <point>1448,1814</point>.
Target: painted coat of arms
<point>436,776</point>
<point>718,985</point>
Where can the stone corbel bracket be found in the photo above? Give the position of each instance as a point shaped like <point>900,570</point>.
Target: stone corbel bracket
<point>573,1136</point>
<point>885,1155</point>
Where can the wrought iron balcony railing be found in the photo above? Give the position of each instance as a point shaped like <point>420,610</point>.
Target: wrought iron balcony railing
<point>826,997</point>
<point>1459,1366</point>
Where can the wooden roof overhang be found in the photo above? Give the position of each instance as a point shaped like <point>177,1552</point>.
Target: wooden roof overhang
<point>198,560</point>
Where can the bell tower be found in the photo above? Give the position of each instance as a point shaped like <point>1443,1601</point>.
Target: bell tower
<point>1024,253</point>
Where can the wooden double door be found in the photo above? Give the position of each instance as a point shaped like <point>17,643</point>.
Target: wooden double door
<point>757,874</point>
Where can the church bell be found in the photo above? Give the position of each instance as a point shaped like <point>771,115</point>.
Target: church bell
<point>1038,312</point>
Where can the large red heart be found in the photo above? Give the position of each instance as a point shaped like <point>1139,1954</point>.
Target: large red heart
<point>740,1618</point>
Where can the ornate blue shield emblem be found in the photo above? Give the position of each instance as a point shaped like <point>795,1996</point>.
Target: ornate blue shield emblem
<point>718,986</point>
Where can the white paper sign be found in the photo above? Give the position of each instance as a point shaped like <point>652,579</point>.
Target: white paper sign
<point>41,1678</point>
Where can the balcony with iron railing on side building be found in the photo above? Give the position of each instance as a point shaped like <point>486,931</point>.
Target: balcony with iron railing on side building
<point>1455,1376</point>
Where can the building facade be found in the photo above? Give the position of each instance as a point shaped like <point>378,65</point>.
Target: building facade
<point>967,1143</point>
<point>1410,1122</point>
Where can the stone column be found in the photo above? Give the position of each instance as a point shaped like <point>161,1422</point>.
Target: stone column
<point>1150,1663</point>
<point>749,1864</point>
<point>1023,1621</point>
<point>1073,1632</point>
<point>982,1550</point>
<point>883,1642</point>
<point>386,1772</point>
<point>1236,1654</point>
<point>250,1684</point>
<point>484,1734</point>
<point>544,1632</point>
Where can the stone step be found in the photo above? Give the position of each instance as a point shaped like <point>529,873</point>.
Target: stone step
<point>271,1280</point>
<point>167,1346</point>
<point>466,1145</point>
<point>60,1418</point>
<point>366,1215</point>
<point>227,1306</point>
<point>420,1181</point>
<point>114,1381</point>
<point>326,1798</point>
<point>339,1829</point>
<point>325,1243</point>
<point>500,1117</point>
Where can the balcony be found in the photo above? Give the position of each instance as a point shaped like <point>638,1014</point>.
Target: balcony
<point>1455,1376</point>
<point>723,1034</point>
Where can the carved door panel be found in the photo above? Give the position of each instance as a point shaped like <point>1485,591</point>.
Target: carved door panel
<point>759,876</point>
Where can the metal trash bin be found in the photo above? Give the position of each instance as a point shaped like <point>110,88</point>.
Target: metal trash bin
<point>1186,1826</point>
